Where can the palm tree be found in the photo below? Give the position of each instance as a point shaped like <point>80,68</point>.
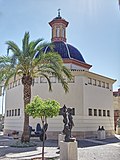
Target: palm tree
<point>24,63</point>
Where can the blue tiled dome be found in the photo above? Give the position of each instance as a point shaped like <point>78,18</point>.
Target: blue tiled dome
<point>66,51</point>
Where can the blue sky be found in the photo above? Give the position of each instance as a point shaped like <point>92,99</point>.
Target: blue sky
<point>94,28</point>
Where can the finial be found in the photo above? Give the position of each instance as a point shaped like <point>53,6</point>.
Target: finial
<point>59,12</point>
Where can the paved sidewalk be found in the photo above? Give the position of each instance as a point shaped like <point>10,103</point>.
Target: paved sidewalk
<point>88,149</point>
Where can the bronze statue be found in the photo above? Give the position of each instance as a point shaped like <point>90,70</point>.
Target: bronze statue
<point>68,122</point>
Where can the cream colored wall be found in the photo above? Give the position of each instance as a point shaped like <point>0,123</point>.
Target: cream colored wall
<point>14,100</point>
<point>96,97</point>
<point>72,99</point>
<point>80,96</point>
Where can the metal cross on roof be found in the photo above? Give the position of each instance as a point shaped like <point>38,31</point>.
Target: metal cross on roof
<point>59,12</point>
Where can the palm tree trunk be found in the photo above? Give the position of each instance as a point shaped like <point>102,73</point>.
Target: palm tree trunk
<point>27,82</point>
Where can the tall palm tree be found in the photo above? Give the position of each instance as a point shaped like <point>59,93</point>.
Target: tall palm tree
<point>24,62</point>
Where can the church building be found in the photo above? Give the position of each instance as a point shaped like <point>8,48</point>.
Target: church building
<point>90,94</point>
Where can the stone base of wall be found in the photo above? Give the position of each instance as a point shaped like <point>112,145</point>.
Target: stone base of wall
<point>77,135</point>
<point>80,135</point>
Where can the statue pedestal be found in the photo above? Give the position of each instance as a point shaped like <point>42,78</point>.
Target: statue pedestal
<point>68,150</point>
<point>101,134</point>
<point>61,137</point>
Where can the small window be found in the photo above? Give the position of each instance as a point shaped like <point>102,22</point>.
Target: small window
<point>12,112</point>
<point>107,85</point>
<point>18,112</point>
<point>99,83</point>
<point>7,113</point>
<point>63,32</point>
<point>90,112</point>
<point>89,80</point>
<point>57,32</point>
<point>103,84</point>
<point>100,112</point>
<point>35,80</point>
<point>15,112</point>
<point>94,82</point>
<point>108,113</point>
<point>104,112</point>
<point>95,112</point>
<point>52,79</point>
<point>43,80</point>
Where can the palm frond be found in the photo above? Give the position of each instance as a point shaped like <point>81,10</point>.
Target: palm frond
<point>25,43</point>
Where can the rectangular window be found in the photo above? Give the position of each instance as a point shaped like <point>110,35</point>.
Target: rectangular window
<point>99,83</point>
<point>95,112</point>
<point>107,85</point>
<point>108,113</point>
<point>90,112</point>
<point>103,84</point>
<point>100,112</point>
<point>43,80</point>
<point>52,79</point>
<point>18,112</point>
<point>35,80</point>
<point>15,112</point>
<point>104,112</point>
<point>89,80</point>
<point>94,82</point>
<point>7,113</point>
<point>12,112</point>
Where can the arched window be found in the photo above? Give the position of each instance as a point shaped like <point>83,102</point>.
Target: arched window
<point>63,32</point>
<point>57,32</point>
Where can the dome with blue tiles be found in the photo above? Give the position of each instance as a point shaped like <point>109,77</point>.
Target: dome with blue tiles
<point>66,51</point>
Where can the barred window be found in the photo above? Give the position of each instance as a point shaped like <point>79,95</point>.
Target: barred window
<point>18,112</point>
<point>15,112</point>
<point>12,112</point>
<point>90,112</point>
<point>52,79</point>
<point>108,113</point>
<point>99,83</point>
<point>89,80</point>
<point>103,84</point>
<point>94,82</point>
<point>7,113</point>
<point>100,112</point>
<point>95,112</point>
<point>43,80</point>
<point>107,85</point>
<point>104,112</point>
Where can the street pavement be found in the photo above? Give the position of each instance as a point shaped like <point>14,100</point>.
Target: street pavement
<point>88,149</point>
